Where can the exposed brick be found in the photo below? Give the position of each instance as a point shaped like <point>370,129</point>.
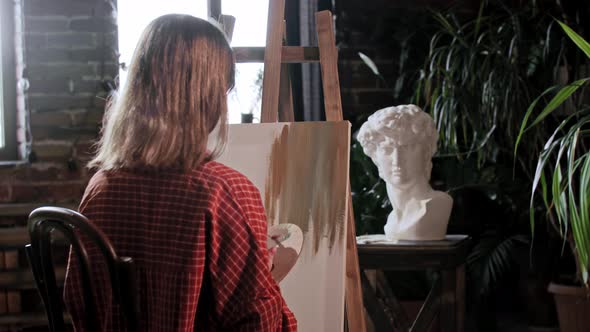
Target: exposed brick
<point>100,101</point>
<point>47,119</point>
<point>384,68</point>
<point>352,53</point>
<point>5,192</point>
<point>48,55</point>
<point>34,42</point>
<point>71,40</point>
<point>52,151</point>
<point>60,55</point>
<point>63,85</point>
<point>375,98</point>
<point>87,86</point>
<point>102,54</point>
<point>63,133</point>
<point>89,117</point>
<point>46,24</point>
<point>93,24</point>
<point>23,193</point>
<point>48,86</point>
<point>348,98</point>
<point>46,103</point>
<point>363,81</point>
<point>67,8</point>
<point>85,151</point>
<point>110,39</point>
<point>65,70</point>
<point>108,69</point>
<point>43,172</point>
<point>50,193</point>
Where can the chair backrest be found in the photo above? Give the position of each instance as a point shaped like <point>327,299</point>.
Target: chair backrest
<point>75,227</point>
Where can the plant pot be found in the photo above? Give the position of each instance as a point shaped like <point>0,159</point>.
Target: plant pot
<point>573,307</point>
<point>539,303</point>
<point>247,117</point>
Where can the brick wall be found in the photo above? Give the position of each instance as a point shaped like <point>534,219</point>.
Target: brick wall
<point>70,49</point>
<point>69,54</point>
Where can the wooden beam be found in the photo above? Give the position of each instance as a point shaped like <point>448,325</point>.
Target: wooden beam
<point>272,61</point>
<point>289,54</point>
<point>333,108</point>
<point>228,23</point>
<point>214,9</point>
<point>285,94</point>
<point>329,66</point>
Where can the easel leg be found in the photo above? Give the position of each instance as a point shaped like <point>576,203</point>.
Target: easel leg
<point>353,292</point>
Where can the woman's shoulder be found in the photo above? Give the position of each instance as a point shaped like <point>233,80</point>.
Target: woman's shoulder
<point>217,170</point>
<point>219,173</point>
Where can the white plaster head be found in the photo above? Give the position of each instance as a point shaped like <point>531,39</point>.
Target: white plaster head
<point>401,141</point>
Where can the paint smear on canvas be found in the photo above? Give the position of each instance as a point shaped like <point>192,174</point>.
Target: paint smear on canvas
<point>301,178</point>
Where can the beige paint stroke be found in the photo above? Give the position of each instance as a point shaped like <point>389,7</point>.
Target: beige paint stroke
<point>303,173</point>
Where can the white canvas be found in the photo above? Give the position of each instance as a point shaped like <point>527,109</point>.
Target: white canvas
<point>301,171</point>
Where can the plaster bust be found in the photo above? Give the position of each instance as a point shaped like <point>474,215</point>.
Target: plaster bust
<point>401,141</point>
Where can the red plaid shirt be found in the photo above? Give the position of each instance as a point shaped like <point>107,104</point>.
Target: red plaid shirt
<point>198,240</point>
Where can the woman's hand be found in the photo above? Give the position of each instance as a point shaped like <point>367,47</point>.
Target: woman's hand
<point>272,251</point>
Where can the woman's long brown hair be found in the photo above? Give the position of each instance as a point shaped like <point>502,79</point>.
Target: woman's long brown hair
<point>175,95</point>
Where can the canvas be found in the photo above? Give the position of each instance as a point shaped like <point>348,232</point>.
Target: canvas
<point>301,170</point>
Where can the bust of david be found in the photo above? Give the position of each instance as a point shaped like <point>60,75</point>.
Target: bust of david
<point>401,141</point>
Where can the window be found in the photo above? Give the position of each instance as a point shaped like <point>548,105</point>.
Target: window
<point>8,144</point>
<point>132,21</point>
<point>250,30</point>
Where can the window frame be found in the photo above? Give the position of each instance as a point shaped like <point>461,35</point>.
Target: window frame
<point>9,152</point>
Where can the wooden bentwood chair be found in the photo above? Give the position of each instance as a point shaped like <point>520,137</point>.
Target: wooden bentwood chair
<point>73,225</point>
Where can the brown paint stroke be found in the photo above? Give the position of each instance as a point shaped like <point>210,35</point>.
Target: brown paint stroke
<point>307,179</point>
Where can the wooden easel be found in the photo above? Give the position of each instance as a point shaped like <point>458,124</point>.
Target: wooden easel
<point>276,94</point>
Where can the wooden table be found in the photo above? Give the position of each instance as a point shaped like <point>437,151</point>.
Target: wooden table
<point>446,297</point>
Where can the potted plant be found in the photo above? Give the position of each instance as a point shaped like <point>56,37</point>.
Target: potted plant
<point>562,183</point>
<point>478,76</point>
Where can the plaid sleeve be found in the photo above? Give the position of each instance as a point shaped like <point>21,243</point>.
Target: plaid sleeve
<point>246,297</point>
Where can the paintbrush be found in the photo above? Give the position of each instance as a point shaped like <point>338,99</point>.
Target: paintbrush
<point>275,241</point>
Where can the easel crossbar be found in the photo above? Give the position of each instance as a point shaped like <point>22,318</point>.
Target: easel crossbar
<point>289,54</point>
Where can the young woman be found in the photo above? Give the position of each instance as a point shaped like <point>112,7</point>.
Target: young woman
<point>195,228</point>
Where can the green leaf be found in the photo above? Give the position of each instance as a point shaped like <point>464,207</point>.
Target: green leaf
<point>523,126</point>
<point>369,63</point>
<point>582,44</point>
<point>559,98</point>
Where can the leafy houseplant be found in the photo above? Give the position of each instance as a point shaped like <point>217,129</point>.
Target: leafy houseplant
<point>480,76</point>
<point>562,178</point>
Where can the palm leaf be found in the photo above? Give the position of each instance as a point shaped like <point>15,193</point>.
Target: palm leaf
<point>582,44</point>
